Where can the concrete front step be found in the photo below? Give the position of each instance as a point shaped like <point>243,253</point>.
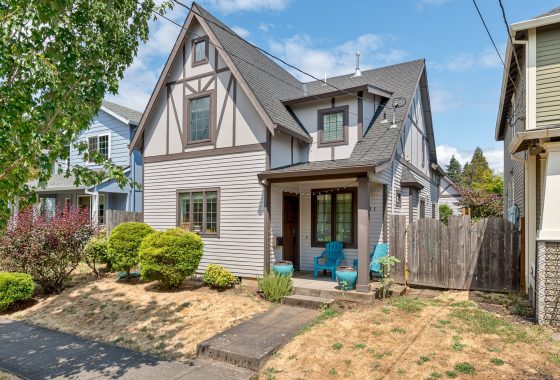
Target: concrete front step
<point>352,296</point>
<point>309,302</point>
<point>252,342</point>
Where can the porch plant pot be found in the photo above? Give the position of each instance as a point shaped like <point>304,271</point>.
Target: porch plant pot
<point>346,277</point>
<point>283,268</point>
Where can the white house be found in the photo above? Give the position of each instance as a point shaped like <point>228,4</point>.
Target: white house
<point>450,195</point>
<point>266,167</point>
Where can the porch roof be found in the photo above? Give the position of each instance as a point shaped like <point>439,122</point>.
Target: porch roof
<point>409,180</point>
<point>58,182</point>
<point>523,139</point>
<point>336,168</point>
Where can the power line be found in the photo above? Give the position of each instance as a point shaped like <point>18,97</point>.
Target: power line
<point>493,43</point>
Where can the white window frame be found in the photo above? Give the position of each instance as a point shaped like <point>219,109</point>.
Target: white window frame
<point>97,137</point>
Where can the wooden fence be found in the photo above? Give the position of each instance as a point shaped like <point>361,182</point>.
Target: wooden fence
<point>116,217</point>
<point>481,256</point>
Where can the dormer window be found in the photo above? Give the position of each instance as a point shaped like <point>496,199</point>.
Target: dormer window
<point>332,126</point>
<point>200,51</point>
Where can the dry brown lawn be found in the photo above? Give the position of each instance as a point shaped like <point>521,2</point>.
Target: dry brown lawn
<point>137,315</point>
<point>407,338</point>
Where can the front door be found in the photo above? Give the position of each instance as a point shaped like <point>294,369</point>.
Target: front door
<point>290,229</point>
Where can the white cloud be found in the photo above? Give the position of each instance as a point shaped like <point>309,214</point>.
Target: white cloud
<point>436,3</point>
<point>468,61</point>
<point>302,51</point>
<point>494,156</point>
<point>442,99</point>
<point>265,27</point>
<point>244,33</point>
<point>230,6</point>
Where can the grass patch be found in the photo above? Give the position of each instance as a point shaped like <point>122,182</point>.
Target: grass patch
<point>422,359</point>
<point>407,304</point>
<point>481,322</point>
<point>457,345</point>
<point>441,323</point>
<point>465,368</point>
<point>270,373</point>
<point>325,315</point>
<point>497,361</point>
<point>360,346</point>
<point>451,374</point>
<point>337,346</point>
<point>333,372</point>
<point>463,304</point>
<point>398,330</point>
<point>554,357</point>
<point>434,375</point>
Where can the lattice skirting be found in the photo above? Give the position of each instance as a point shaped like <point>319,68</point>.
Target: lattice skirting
<point>548,283</point>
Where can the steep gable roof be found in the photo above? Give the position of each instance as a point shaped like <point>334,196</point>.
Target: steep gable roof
<point>132,116</point>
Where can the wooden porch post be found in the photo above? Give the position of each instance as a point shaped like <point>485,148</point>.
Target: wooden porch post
<point>267,199</point>
<point>363,235</point>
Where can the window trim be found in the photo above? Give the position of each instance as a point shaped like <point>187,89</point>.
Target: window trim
<point>88,162</point>
<point>314,192</point>
<point>194,62</point>
<point>211,122</point>
<point>320,126</point>
<point>203,191</point>
<point>398,199</point>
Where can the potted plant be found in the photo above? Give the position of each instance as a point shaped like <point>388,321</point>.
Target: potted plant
<point>346,277</point>
<point>283,268</point>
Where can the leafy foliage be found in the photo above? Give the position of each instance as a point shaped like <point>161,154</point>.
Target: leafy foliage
<point>444,213</point>
<point>218,277</point>
<point>48,249</point>
<point>171,256</point>
<point>95,252</point>
<point>59,59</point>
<point>274,286</point>
<point>15,287</point>
<point>124,243</point>
<point>454,170</point>
<point>387,264</point>
<point>482,203</point>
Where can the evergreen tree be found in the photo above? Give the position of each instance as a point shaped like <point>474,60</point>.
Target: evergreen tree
<point>454,170</point>
<point>476,173</point>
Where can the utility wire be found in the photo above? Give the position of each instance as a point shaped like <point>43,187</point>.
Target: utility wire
<point>493,43</point>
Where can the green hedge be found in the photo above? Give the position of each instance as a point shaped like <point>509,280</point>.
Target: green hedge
<point>124,243</point>
<point>217,276</point>
<point>15,287</point>
<point>171,256</point>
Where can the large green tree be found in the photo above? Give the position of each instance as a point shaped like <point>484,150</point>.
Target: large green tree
<point>58,59</point>
<point>477,170</point>
<point>454,170</point>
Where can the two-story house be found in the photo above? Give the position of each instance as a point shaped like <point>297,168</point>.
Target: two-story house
<point>529,124</point>
<point>109,133</point>
<point>265,167</point>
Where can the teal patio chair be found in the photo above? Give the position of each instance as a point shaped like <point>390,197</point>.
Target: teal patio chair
<point>379,250</point>
<point>332,254</point>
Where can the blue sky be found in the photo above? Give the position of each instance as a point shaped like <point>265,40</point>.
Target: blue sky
<point>319,36</point>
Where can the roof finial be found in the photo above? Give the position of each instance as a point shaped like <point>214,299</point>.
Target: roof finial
<point>325,80</point>
<point>357,73</point>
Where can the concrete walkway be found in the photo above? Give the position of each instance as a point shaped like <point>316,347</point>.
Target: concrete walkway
<point>33,352</point>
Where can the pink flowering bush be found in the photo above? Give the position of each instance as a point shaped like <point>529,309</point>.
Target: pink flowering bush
<point>48,249</point>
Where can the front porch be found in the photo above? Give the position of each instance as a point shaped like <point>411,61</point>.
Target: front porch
<point>308,212</point>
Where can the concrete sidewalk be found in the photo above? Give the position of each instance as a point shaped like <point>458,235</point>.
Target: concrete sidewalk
<point>33,352</point>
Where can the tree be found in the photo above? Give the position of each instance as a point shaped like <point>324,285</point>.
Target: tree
<point>477,171</point>
<point>59,59</point>
<point>454,170</point>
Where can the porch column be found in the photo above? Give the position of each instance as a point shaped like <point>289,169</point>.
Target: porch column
<point>267,198</point>
<point>363,235</point>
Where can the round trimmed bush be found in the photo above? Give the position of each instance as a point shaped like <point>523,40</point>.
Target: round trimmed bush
<point>95,252</point>
<point>124,243</point>
<point>217,276</point>
<point>15,287</point>
<point>170,257</point>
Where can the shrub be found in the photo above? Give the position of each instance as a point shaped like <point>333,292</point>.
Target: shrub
<point>218,277</point>
<point>171,256</point>
<point>48,249</point>
<point>95,252</point>
<point>124,243</point>
<point>15,287</point>
<point>274,286</point>
<point>444,213</point>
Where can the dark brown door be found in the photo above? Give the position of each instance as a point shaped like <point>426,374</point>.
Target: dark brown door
<point>290,229</point>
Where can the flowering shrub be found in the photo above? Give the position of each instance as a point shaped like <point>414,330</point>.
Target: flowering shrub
<point>48,249</point>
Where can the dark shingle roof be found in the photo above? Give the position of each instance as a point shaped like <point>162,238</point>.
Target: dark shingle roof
<point>549,13</point>
<point>129,114</point>
<point>269,82</point>
<point>409,180</point>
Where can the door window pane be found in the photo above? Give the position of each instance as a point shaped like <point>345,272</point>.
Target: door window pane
<point>344,217</point>
<point>199,122</point>
<point>323,228</point>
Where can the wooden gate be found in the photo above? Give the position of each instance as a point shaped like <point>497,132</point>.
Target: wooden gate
<point>482,256</point>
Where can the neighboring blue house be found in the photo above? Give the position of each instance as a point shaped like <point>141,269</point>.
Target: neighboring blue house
<point>110,133</point>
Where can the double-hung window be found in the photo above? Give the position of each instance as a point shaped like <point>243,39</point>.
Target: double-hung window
<point>334,215</point>
<point>332,126</point>
<point>99,144</point>
<point>199,119</point>
<point>198,211</point>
